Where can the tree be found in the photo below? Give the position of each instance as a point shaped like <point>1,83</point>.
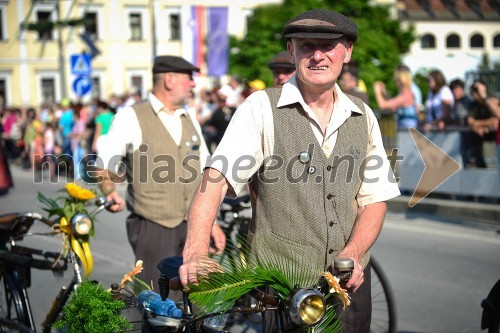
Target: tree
<point>378,50</point>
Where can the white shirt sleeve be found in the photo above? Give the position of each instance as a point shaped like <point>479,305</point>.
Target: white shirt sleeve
<point>240,153</point>
<point>379,183</point>
<point>124,130</point>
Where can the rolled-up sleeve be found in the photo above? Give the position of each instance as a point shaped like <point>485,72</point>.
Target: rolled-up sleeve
<point>379,183</point>
<point>240,153</point>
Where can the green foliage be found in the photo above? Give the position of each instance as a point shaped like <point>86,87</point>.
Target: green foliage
<point>91,309</point>
<point>218,291</point>
<point>378,50</point>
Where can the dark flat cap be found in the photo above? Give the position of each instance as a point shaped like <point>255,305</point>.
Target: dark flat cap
<point>281,60</point>
<point>321,23</point>
<point>164,64</point>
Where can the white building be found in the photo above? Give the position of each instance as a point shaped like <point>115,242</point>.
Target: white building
<point>453,35</point>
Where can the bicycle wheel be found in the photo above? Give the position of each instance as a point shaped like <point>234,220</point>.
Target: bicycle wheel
<point>383,304</point>
<point>13,308</point>
<point>11,326</point>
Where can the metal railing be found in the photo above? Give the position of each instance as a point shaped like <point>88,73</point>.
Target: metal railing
<point>388,127</point>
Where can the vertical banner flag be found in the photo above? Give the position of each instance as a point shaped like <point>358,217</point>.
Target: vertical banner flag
<point>193,34</point>
<point>218,41</point>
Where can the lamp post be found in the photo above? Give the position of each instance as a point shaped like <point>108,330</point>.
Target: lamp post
<point>62,73</point>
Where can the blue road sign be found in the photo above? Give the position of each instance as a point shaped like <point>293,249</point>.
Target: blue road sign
<point>80,64</point>
<point>82,85</point>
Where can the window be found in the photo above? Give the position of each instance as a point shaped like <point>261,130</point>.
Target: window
<point>96,87</point>
<point>91,25</point>
<point>175,27</point>
<point>43,19</point>
<point>428,41</point>
<point>137,84</point>
<point>476,41</point>
<point>135,26</point>
<point>496,41</point>
<point>48,90</point>
<point>2,23</point>
<point>3,93</point>
<point>453,41</point>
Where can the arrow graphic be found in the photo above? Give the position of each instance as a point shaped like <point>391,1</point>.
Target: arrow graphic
<point>439,166</point>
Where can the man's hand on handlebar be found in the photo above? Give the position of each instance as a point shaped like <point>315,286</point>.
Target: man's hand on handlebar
<point>197,266</point>
<point>118,200</point>
<point>357,277</point>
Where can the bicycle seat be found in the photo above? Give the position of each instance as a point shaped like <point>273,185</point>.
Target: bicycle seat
<point>16,225</point>
<point>170,266</point>
<point>236,205</point>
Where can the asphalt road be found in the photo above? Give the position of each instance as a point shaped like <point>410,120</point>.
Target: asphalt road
<point>440,270</point>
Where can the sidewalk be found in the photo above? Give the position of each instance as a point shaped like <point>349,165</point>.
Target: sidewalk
<point>463,210</point>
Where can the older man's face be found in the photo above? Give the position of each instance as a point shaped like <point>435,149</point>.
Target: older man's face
<point>319,61</point>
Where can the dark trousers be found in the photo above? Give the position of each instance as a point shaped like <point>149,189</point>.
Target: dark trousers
<point>152,242</point>
<point>355,319</point>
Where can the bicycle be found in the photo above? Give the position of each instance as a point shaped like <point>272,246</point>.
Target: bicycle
<point>235,223</point>
<point>16,262</point>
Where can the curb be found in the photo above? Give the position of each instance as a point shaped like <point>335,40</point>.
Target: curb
<point>464,210</point>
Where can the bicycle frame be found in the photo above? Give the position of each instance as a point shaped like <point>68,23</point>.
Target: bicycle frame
<point>17,262</point>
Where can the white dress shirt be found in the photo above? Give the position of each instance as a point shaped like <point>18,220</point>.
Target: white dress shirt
<point>251,134</point>
<point>125,129</point>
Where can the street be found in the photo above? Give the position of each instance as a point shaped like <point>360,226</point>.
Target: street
<point>440,270</point>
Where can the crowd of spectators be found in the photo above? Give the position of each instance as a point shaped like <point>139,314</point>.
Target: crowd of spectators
<point>74,131</point>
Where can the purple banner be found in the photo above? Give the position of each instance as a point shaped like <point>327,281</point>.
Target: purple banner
<point>218,41</point>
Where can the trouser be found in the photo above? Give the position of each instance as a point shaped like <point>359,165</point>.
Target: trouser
<point>355,319</point>
<point>151,242</point>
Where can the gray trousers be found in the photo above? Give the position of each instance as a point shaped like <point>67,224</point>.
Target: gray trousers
<point>355,319</point>
<point>151,243</point>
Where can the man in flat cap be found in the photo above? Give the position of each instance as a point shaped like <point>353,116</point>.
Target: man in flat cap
<point>281,67</point>
<point>163,150</point>
<point>319,172</point>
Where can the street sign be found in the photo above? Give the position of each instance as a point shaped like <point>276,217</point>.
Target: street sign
<point>82,85</point>
<point>80,64</point>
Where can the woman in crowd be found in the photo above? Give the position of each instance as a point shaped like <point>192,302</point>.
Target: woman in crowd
<point>439,102</point>
<point>403,104</point>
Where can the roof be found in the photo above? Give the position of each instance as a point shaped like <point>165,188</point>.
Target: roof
<point>449,10</point>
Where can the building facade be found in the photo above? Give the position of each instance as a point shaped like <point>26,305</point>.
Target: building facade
<point>35,64</point>
<point>455,36</point>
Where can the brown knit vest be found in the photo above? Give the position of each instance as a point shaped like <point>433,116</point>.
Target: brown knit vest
<point>162,175</point>
<point>304,210</point>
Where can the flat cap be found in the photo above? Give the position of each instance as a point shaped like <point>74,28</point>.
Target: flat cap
<point>281,60</point>
<point>321,23</point>
<point>164,64</point>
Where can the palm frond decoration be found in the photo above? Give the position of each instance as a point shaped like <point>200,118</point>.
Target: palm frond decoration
<point>239,273</point>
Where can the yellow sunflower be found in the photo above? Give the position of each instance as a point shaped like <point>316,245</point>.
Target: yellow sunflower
<point>79,193</point>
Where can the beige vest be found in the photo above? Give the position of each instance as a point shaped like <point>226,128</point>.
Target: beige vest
<point>162,175</point>
<point>304,209</point>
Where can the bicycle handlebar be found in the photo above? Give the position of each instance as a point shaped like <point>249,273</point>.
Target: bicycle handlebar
<point>22,256</point>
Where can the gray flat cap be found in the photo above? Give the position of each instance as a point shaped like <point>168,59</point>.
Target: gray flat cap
<point>321,23</point>
<point>281,60</point>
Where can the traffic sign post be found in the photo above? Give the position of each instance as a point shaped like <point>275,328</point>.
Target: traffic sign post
<point>81,69</point>
<point>80,64</point>
<point>82,85</point>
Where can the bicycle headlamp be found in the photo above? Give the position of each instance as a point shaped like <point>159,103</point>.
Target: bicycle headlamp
<point>81,224</point>
<point>307,307</point>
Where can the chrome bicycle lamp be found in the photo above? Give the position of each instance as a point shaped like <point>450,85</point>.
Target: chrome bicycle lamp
<point>81,224</point>
<point>307,307</point>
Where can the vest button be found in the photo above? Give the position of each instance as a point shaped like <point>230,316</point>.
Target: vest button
<point>329,196</point>
<point>331,223</point>
<point>329,168</point>
<point>330,251</point>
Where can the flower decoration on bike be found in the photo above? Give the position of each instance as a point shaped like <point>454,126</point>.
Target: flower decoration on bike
<point>310,306</point>
<point>75,222</point>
